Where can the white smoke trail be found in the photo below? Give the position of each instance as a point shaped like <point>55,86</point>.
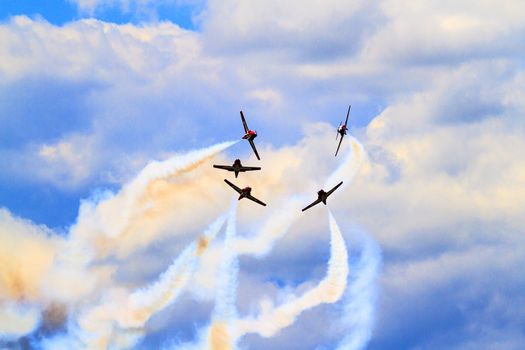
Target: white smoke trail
<point>220,334</point>
<point>156,170</point>
<point>273,229</point>
<point>113,222</point>
<point>101,226</point>
<point>329,290</point>
<point>102,325</point>
<point>276,227</point>
<point>278,224</point>
<point>360,298</point>
<point>349,167</point>
<point>116,322</point>
<point>155,297</point>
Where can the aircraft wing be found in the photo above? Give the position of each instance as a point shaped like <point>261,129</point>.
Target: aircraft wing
<point>333,189</point>
<point>249,168</point>
<point>254,149</point>
<point>347,114</point>
<point>225,167</point>
<point>339,145</point>
<point>256,200</point>
<point>317,201</point>
<point>233,186</point>
<point>244,123</point>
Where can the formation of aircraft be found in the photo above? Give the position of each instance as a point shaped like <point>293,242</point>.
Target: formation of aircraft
<point>237,166</point>
<point>341,130</point>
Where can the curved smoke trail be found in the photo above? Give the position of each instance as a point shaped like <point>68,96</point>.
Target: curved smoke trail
<point>278,224</point>
<point>349,167</point>
<point>145,302</point>
<point>329,290</point>
<point>273,229</point>
<point>122,315</point>
<point>360,298</point>
<point>220,335</point>
<point>112,215</point>
<point>101,226</point>
<point>118,319</point>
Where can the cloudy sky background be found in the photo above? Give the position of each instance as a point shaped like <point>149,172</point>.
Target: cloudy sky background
<point>91,91</point>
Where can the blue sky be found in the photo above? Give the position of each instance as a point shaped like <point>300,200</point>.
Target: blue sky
<point>56,12</point>
<point>59,12</point>
<point>431,211</point>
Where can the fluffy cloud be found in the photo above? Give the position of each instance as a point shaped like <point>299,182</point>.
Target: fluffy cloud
<point>94,57</point>
<point>103,66</point>
<point>27,252</point>
<point>17,320</point>
<point>437,94</point>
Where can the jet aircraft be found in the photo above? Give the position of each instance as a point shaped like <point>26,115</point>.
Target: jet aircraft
<point>322,196</point>
<point>249,135</point>
<point>237,167</point>
<point>245,193</point>
<point>341,130</point>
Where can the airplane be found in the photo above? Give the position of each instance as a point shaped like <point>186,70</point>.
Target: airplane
<point>341,130</point>
<point>237,167</point>
<point>249,135</point>
<point>322,196</point>
<point>245,193</point>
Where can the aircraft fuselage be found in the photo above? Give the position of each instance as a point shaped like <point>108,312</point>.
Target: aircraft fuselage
<point>321,195</point>
<point>342,129</point>
<point>250,135</point>
<point>245,192</point>
<point>237,165</point>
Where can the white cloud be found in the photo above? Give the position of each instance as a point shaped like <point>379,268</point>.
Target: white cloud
<point>148,65</point>
<point>26,253</point>
<point>442,186</point>
<point>16,321</point>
